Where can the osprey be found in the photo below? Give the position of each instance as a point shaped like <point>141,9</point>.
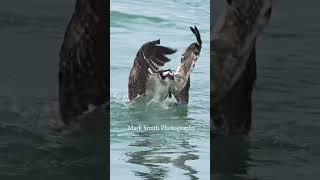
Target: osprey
<point>148,82</point>
<point>234,62</point>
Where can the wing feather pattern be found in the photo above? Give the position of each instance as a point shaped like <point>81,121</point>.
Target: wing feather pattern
<point>150,56</point>
<point>181,85</point>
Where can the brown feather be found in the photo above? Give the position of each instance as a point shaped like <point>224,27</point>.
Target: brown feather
<point>152,56</point>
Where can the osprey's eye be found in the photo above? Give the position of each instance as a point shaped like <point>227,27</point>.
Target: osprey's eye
<point>268,13</point>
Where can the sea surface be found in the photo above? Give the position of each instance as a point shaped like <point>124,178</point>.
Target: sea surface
<point>159,154</point>
<point>284,142</point>
<point>31,35</point>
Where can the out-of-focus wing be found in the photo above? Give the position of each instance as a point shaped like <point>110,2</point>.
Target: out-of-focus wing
<point>233,41</point>
<point>150,57</point>
<point>83,76</point>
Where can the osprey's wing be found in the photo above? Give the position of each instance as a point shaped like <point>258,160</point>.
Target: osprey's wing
<point>83,76</point>
<point>233,41</point>
<point>227,71</point>
<point>181,85</point>
<point>150,57</point>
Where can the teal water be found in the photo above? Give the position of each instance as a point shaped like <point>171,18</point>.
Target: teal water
<point>159,154</point>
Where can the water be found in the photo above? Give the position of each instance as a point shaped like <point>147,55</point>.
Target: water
<point>159,154</point>
<point>31,36</point>
<point>284,142</point>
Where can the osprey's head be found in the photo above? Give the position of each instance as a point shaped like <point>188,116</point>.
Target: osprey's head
<point>166,75</point>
